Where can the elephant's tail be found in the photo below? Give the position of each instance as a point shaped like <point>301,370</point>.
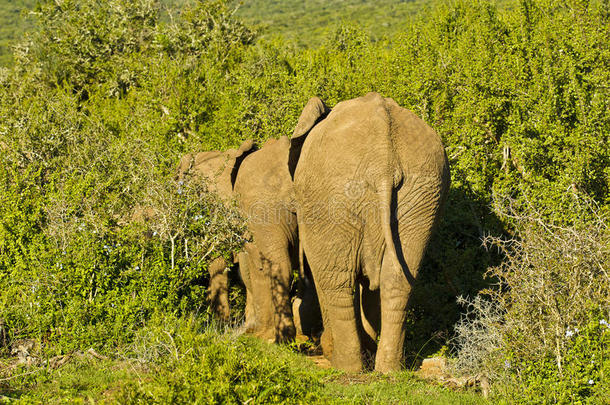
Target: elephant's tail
<point>301,262</point>
<point>385,201</point>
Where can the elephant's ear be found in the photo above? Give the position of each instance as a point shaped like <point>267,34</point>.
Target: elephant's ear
<point>247,147</point>
<point>314,112</point>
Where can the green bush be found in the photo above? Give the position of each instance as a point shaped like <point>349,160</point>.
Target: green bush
<point>583,376</point>
<point>197,364</point>
<point>89,141</point>
<point>542,333</point>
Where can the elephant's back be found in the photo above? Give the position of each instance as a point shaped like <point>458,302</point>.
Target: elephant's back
<point>366,135</point>
<point>336,144</point>
<point>263,176</point>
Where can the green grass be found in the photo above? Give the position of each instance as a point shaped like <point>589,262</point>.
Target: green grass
<point>184,365</point>
<point>190,361</point>
<point>310,22</point>
<point>85,378</point>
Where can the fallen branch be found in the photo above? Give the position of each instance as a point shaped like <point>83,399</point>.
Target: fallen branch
<point>95,354</point>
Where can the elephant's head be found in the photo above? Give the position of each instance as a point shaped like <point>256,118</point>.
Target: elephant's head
<point>314,112</point>
<point>218,168</point>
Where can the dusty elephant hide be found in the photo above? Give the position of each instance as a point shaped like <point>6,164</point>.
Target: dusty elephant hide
<point>370,178</point>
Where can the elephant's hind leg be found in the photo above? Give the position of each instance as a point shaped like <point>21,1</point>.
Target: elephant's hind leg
<point>395,291</point>
<point>326,338</point>
<point>279,275</point>
<point>261,293</point>
<point>219,288</point>
<point>246,267</point>
<point>338,298</point>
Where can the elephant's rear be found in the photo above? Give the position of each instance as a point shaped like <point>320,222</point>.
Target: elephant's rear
<point>364,145</point>
<point>372,136</point>
<point>419,147</point>
<point>370,183</point>
<point>424,183</point>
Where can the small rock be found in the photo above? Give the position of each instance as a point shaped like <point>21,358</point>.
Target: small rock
<point>320,361</point>
<point>435,367</point>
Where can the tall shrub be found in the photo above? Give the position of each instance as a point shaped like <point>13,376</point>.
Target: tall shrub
<point>545,326</point>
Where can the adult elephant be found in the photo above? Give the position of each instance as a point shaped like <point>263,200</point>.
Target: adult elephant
<point>264,189</point>
<point>220,170</point>
<point>369,179</point>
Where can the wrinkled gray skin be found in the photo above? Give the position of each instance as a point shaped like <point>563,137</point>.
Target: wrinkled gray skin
<point>219,169</point>
<point>262,185</point>
<point>369,180</point>
<point>259,308</point>
<point>264,190</point>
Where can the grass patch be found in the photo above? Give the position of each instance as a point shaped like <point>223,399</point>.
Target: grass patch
<point>186,361</point>
<point>81,379</point>
<point>398,388</point>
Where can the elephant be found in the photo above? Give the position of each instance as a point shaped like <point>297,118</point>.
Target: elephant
<point>369,181</point>
<point>260,182</point>
<point>264,191</point>
<point>220,170</point>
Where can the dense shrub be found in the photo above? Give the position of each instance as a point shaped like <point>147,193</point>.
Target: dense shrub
<point>96,235</point>
<point>544,328</point>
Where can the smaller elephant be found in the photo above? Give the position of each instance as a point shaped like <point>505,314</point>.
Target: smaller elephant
<point>219,169</point>
<point>260,182</point>
<point>264,189</point>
